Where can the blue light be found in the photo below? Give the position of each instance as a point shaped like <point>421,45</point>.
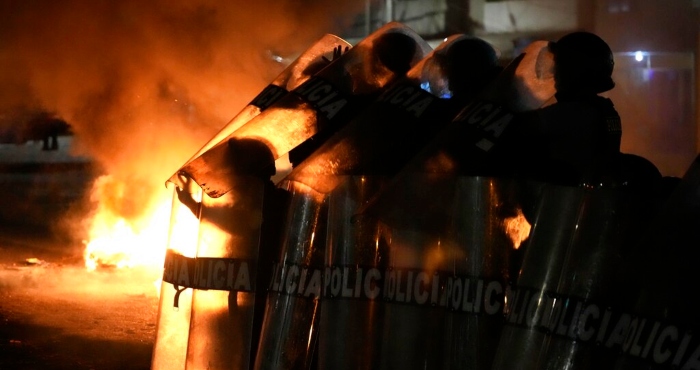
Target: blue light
<point>426,86</point>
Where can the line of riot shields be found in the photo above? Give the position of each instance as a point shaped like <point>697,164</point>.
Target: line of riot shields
<point>398,242</point>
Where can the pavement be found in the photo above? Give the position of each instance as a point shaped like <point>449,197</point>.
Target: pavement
<point>54,314</point>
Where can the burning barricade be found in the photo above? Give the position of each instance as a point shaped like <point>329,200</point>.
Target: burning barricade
<point>407,234</point>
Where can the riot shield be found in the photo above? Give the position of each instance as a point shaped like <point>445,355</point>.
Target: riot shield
<point>312,60</point>
<point>658,320</point>
<point>445,282</point>
<point>570,280</point>
<point>320,105</point>
<point>328,189</point>
<point>417,209</point>
<point>230,232</point>
<point>289,332</point>
<point>221,325</point>
<point>207,302</point>
<point>175,306</point>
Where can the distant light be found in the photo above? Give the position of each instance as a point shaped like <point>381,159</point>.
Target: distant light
<point>639,56</point>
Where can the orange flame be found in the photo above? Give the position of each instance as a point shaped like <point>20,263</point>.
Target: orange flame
<point>115,241</point>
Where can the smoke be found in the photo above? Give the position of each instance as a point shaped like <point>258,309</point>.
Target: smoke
<point>145,83</point>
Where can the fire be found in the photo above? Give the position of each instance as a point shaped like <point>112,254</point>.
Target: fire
<point>115,241</point>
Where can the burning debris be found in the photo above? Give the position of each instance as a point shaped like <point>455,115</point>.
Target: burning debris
<point>33,261</point>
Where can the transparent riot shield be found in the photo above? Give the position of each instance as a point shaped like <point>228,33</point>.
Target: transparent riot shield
<point>289,332</point>
<point>481,244</point>
<point>225,275</point>
<point>321,105</point>
<point>659,315</point>
<point>207,300</point>
<point>448,250</point>
<point>312,60</point>
<point>560,314</point>
<point>355,264</point>
<point>328,189</point>
<point>175,306</point>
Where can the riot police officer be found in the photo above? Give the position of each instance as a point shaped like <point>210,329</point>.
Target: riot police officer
<point>577,139</point>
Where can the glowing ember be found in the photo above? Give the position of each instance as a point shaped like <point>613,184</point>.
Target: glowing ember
<point>517,228</point>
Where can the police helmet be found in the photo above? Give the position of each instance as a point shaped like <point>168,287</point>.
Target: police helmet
<point>396,51</point>
<point>583,62</point>
<point>470,64</point>
<point>251,157</point>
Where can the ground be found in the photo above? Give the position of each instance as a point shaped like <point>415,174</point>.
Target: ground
<point>54,314</point>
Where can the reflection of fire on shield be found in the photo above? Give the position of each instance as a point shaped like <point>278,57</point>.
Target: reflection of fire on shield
<point>327,190</point>
<point>233,205</point>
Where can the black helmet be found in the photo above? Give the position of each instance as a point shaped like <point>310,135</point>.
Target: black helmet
<point>396,51</point>
<point>251,157</point>
<point>583,62</point>
<point>470,64</point>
